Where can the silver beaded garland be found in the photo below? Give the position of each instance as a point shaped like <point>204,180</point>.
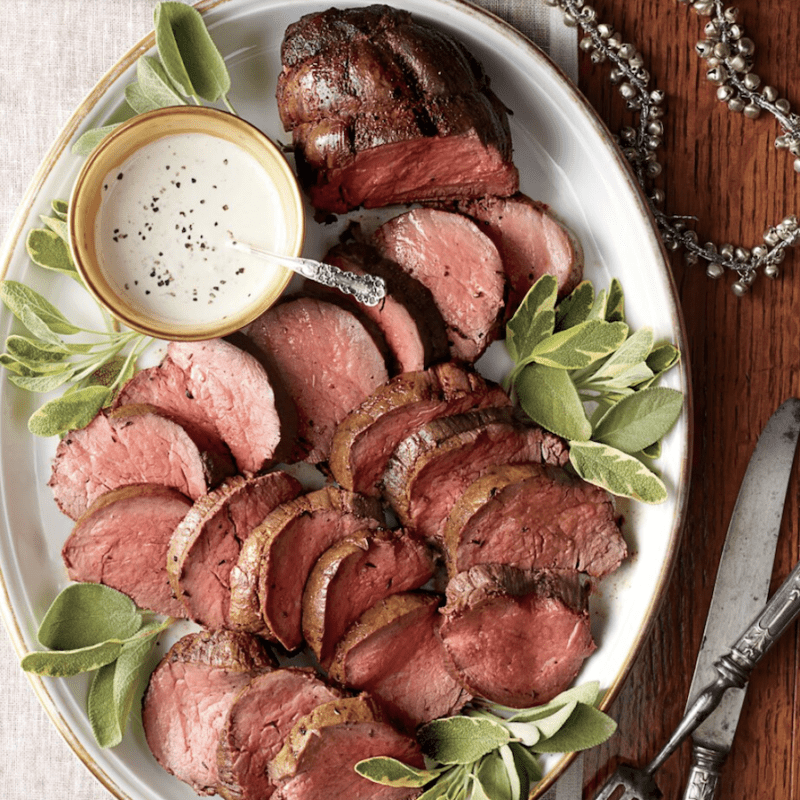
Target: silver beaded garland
<point>729,56</point>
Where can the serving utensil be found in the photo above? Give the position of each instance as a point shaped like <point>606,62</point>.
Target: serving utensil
<point>717,691</point>
<point>367,289</point>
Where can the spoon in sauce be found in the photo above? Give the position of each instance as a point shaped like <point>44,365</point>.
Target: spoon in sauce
<point>367,289</point>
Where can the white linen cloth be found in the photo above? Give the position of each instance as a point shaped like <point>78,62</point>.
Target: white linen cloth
<point>52,54</point>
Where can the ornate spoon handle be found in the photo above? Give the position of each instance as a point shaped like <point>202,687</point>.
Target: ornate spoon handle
<point>734,669</point>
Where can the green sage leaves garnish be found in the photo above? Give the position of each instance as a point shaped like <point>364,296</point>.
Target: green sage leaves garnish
<point>581,373</point>
<point>490,752</point>
<point>93,628</point>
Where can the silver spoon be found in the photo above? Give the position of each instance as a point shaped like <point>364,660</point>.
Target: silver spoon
<point>367,289</point>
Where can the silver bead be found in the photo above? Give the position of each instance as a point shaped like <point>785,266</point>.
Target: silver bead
<point>691,258</point>
<point>588,14</point>
<point>627,91</point>
<point>741,254</point>
<point>715,271</point>
<point>653,142</point>
<point>772,271</point>
<point>704,49</point>
<point>738,63</point>
<point>653,169</point>
<point>749,277</point>
<point>783,105</point>
<point>794,148</point>
<point>605,31</point>
<point>614,42</point>
<point>630,153</point>
<point>703,7</point>
<point>726,250</point>
<point>628,134</point>
<point>751,81</point>
<point>718,75</point>
<point>643,75</point>
<point>783,141</point>
<point>657,196</point>
<point>627,51</point>
<point>656,128</point>
<point>657,96</point>
<point>731,14</point>
<point>713,61</point>
<point>778,256</point>
<point>725,93</point>
<point>586,44</point>
<point>745,46</point>
<point>710,247</point>
<point>598,57</point>
<point>790,222</point>
<point>769,93</point>
<point>615,75</point>
<point>759,251</point>
<point>751,111</point>
<point>736,104</point>
<point>710,30</point>
<point>740,288</point>
<point>569,20</point>
<point>797,165</point>
<point>722,50</point>
<point>771,237</point>
<point>636,61</point>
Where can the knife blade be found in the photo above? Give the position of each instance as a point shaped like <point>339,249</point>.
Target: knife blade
<point>742,585</point>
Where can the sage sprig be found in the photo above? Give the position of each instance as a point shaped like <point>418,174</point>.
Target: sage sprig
<point>491,752</point>
<point>581,373</point>
<point>93,628</point>
<point>188,67</point>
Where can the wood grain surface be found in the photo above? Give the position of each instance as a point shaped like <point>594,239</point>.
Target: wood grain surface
<point>744,360</point>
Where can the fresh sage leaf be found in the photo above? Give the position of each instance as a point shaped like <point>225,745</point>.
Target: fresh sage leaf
<point>41,384</point>
<point>527,763</point>
<point>653,451</point>
<point>18,297</point>
<point>41,327</point>
<point>461,740</point>
<point>615,304</point>
<point>391,772</point>
<point>640,420</point>
<point>598,309</point>
<point>515,784</point>
<point>534,320</point>
<point>188,53</point>
<point>48,250</point>
<point>137,99</point>
<point>632,352</point>
<point>91,138</point>
<point>32,351</point>
<point>86,614</point>
<point>100,707</point>
<point>495,778</point>
<point>58,226</point>
<point>66,663</point>
<point>575,307</point>
<point>581,345</point>
<point>155,84</point>
<point>588,693</point>
<point>69,412</point>
<point>549,398</point>
<point>587,727</point>
<point>60,208</point>
<point>663,357</point>
<point>619,473</point>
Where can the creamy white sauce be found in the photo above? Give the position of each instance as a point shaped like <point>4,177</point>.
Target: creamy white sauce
<point>166,221</point>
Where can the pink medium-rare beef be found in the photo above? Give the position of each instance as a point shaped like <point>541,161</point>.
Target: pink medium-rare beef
<point>366,438</point>
<point>534,516</point>
<point>257,722</point>
<point>516,637</point>
<point>386,109</point>
<point>353,575</point>
<point>394,654</point>
<point>461,267</point>
<point>207,542</point>
<point>268,580</point>
<point>407,317</point>
<point>122,540</point>
<point>188,698</point>
<point>431,468</point>
<point>531,240</point>
<point>319,755</point>
<point>133,444</point>
<point>222,390</point>
<point>327,360</point>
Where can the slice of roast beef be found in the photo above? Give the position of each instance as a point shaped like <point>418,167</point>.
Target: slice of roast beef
<point>366,438</point>
<point>351,576</point>
<point>122,540</point>
<point>534,516</point>
<point>268,580</point>
<point>320,753</point>
<point>386,109</point>
<point>133,444</point>
<point>531,240</point>
<point>431,468</point>
<point>206,544</point>
<point>328,363</point>
<point>407,317</point>
<point>217,387</point>
<point>461,267</point>
<point>394,654</point>
<point>188,698</point>
<point>257,722</point>
<point>516,637</point>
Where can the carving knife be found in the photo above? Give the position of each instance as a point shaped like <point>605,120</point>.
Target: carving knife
<point>741,588</point>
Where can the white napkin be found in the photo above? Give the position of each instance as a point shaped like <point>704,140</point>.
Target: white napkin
<point>52,55</point>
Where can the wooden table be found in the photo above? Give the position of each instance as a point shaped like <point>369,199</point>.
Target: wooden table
<point>745,360</point>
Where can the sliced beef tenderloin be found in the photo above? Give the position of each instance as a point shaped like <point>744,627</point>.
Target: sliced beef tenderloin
<point>122,540</point>
<point>461,267</point>
<point>407,317</point>
<point>222,390</point>
<point>188,698</point>
<point>366,438</point>
<point>430,469</point>
<point>133,444</point>
<point>531,240</point>
<point>257,723</point>
<point>353,575</point>
<point>534,516</point>
<point>268,580</point>
<point>206,544</point>
<point>386,109</point>
<point>327,360</point>
<point>516,637</point>
<point>394,653</point>
<point>320,753</point>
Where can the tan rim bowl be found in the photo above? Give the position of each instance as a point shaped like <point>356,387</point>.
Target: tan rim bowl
<point>123,142</point>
